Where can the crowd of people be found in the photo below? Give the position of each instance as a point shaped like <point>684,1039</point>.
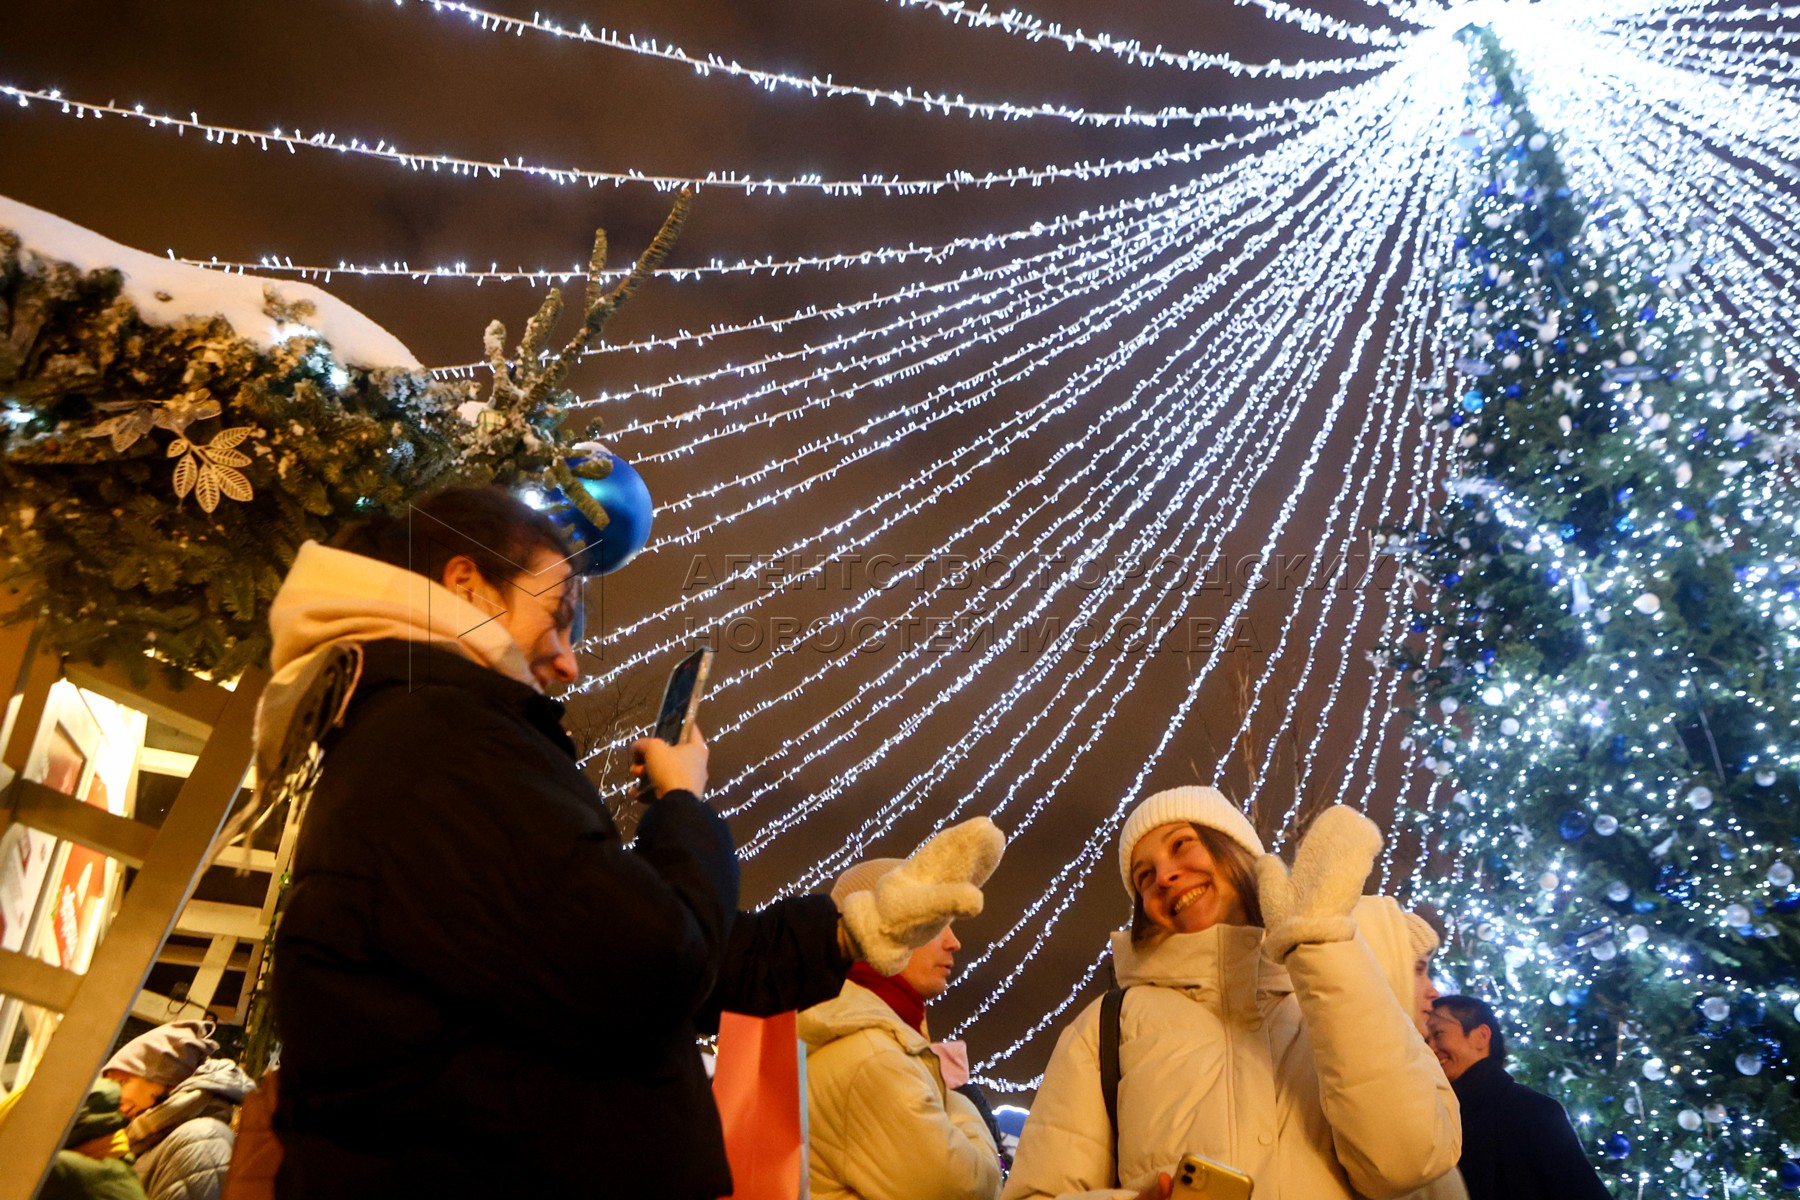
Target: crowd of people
<point>157,1125</point>
<point>481,989</point>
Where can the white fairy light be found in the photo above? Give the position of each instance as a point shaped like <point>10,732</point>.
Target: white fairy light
<point>1131,50</point>
<point>1297,114</point>
<point>815,86</point>
<point>1273,310</point>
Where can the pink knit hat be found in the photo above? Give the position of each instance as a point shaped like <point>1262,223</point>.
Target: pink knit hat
<point>862,877</point>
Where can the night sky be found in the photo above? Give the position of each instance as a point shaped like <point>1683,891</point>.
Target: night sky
<point>436,83</point>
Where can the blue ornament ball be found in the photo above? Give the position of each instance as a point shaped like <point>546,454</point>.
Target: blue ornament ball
<point>1616,1146</point>
<point>1788,1175</point>
<point>626,501</point>
<point>1573,824</point>
<point>1011,1119</point>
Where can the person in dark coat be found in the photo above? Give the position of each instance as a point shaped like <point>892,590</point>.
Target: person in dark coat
<point>1517,1143</point>
<point>479,988</point>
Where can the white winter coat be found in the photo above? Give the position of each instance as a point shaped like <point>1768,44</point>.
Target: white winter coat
<point>1311,1079</point>
<point>882,1124</point>
<point>1383,925</point>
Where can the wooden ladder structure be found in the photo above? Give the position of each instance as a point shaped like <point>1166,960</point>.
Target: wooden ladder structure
<point>169,862</point>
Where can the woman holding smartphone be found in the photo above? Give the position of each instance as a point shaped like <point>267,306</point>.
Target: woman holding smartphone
<point>1257,1028</point>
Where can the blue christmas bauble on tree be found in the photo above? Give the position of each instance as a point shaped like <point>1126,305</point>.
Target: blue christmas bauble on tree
<point>1788,1175</point>
<point>625,499</point>
<point>1616,1146</point>
<point>1573,824</point>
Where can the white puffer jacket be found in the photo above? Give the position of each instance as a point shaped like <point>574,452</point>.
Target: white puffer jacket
<point>1382,923</point>
<point>1312,1080</point>
<point>882,1124</point>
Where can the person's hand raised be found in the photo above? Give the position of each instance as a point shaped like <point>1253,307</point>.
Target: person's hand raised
<point>670,768</point>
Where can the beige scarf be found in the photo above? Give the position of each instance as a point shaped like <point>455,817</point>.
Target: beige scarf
<point>332,596</point>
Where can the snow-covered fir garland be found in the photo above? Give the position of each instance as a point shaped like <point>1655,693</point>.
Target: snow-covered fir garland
<point>166,446</point>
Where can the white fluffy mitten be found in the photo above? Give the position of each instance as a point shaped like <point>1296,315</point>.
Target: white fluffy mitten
<point>913,902</point>
<point>1313,903</point>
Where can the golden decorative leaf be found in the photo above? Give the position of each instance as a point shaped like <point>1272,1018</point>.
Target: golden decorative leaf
<point>123,429</point>
<point>234,484</point>
<point>206,488</point>
<point>177,415</point>
<point>179,446</point>
<point>185,471</point>
<point>226,438</point>
<point>223,458</point>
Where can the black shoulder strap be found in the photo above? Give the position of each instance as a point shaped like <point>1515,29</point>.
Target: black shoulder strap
<point>1110,1008</point>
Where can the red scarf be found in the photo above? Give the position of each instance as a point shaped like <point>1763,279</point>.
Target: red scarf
<point>894,991</point>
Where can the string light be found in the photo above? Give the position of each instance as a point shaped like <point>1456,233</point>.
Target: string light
<point>1106,390</point>
<point>1035,29</point>
<point>816,86</point>
<point>226,135</point>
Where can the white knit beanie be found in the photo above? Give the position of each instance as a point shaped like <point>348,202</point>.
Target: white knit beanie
<point>1205,806</point>
<point>862,877</point>
<point>1421,935</point>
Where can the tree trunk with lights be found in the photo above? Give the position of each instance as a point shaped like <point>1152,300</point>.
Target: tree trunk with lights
<point>1614,705</point>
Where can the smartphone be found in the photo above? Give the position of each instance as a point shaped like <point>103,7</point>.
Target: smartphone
<point>681,699</point>
<point>1203,1179</point>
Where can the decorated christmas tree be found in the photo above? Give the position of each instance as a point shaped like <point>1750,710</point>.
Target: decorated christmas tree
<point>1611,698</point>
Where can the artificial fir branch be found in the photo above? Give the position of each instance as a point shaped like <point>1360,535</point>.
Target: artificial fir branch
<point>103,551</point>
<point>601,307</point>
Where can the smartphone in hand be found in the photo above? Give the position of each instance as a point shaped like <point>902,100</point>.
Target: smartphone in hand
<point>680,702</point>
<point>1203,1179</point>
<point>681,699</point>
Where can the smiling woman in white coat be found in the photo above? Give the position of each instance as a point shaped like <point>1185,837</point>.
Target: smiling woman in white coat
<point>1257,1028</point>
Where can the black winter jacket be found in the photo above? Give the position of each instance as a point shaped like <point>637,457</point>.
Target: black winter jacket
<point>479,989</point>
<point>1517,1143</point>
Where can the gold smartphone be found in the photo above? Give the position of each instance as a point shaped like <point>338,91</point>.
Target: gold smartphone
<point>1203,1179</point>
